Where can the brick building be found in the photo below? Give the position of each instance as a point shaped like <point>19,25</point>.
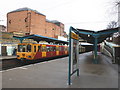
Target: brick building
<point>29,21</point>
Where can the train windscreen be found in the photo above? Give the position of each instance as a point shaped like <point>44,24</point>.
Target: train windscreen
<point>24,48</point>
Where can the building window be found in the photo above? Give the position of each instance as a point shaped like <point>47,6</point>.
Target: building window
<point>45,31</point>
<point>25,19</point>
<point>9,21</point>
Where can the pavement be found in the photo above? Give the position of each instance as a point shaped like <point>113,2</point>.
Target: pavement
<point>54,74</point>
<point>7,57</point>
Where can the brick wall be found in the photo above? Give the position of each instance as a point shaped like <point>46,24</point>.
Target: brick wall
<point>16,22</point>
<point>38,23</point>
<point>49,31</point>
<point>33,23</point>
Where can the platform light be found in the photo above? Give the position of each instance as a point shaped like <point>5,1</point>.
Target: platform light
<point>88,35</point>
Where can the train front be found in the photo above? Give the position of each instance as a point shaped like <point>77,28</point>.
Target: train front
<point>24,52</point>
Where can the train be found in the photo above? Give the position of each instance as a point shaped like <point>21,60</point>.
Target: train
<point>31,51</point>
<point>35,51</point>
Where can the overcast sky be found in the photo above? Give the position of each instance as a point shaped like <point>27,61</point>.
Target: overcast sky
<point>83,14</point>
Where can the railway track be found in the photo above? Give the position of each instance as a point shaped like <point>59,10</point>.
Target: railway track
<point>13,63</point>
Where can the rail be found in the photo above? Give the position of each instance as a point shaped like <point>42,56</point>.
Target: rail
<point>112,50</point>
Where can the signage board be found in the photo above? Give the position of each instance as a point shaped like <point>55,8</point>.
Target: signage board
<point>74,52</point>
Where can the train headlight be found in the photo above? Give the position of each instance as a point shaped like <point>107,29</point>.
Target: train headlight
<point>29,56</point>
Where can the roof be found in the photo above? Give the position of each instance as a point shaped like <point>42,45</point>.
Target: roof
<point>26,9</point>
<point>91,35</point>
<point>41,38</point>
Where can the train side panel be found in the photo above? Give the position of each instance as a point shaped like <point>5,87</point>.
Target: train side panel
<point>39,51</point>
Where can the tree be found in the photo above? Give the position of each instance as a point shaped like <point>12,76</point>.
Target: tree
<point>112,24</point>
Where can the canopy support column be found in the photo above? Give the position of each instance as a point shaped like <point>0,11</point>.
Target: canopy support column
<point>21,40</point>
<point>95,61</point>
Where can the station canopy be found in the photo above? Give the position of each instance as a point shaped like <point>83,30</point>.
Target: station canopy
<point>91,35</point>
<point>39,38</point>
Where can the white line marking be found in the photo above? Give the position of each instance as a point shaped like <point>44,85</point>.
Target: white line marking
<point>22,68</point>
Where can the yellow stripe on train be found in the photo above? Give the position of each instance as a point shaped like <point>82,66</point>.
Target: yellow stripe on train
<point>43,54</point>
<point>44,51</point>
<point>57,52</point>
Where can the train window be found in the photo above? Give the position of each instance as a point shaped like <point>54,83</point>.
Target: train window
<point>57,48</point>
<point>34,48</point>
<point>54,48</point>
<point>48,49</point>
<point>65,48</point>
<point>43,48</point>
<point>51,49</point>
<point>21,48</point>
<point>62,48</point>
<point>39,48</point>
<point>28,48</point>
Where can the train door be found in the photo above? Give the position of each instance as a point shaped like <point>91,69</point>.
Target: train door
<point>43,50</point>
<point>60,50</point>
<point>48,51</point>
<point>37,50</point>
<point>66,50</point>
<point>34,52</point>
<point>54,50</point>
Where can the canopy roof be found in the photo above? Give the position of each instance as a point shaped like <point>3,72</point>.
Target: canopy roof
<point>91,35</point>
<point>26,9</point>
<point>41,38</point>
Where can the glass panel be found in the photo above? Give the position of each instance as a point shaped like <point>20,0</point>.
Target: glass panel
<point>24,48</point>
<point>21,48</point>
<point>39,48</point>
<point>43,48</point>
<point>54,48</point>
<point>28,48</point>
<point>34,48</point>
<point>51,49</point>
<point>48,49</point>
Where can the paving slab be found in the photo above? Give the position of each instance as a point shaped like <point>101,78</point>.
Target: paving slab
<point>54,74</point>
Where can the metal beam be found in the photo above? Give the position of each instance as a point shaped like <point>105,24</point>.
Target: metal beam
<point>107,32</point>
<point>87,33</point>
<point>95,60</point>
<point>69,66</point>
<point>21,40</point>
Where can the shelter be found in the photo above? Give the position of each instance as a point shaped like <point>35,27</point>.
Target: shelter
<point>94,37</point>
<point>41,38</point>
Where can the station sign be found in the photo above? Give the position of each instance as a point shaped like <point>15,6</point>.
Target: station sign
<point>74,36</point>
<point>73,54</point>
<point>74,51</point>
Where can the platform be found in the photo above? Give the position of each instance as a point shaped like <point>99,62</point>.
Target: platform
<point>7,57</point>
<point>54,74</point>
